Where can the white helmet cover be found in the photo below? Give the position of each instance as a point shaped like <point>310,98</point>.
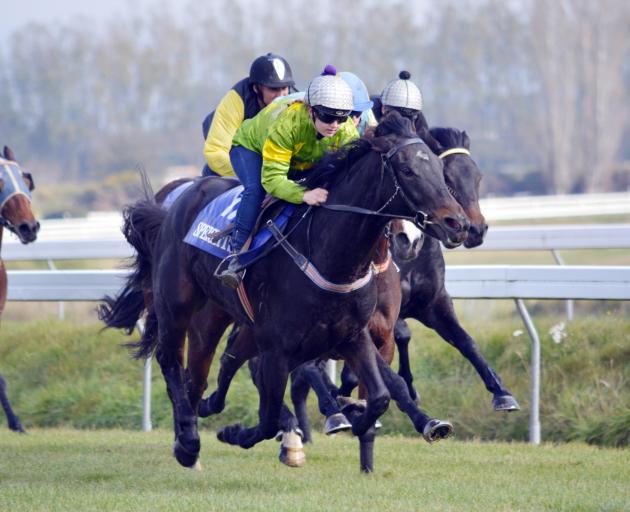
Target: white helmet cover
<point>402,93</point>
<point>330,91</point>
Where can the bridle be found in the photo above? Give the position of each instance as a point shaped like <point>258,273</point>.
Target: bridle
<point>13,187</point>
<point>420,219</point>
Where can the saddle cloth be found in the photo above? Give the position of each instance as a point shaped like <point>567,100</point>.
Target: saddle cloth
<point>218,216</point>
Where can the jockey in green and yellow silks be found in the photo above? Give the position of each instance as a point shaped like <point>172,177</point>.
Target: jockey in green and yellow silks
<point>287,135</point>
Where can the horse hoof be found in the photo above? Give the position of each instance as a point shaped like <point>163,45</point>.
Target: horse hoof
<point>505,403</point>
<point>336,423</point>
<point>186,457</point>
<point>435,430</point>
<point>292,450</point>
<point>197,466</point>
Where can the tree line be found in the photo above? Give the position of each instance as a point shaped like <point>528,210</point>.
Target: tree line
<point>541,86</point>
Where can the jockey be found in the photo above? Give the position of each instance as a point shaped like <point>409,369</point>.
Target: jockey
<point>287,135</point>
<point>402,95</point>
<point>361,114</point>
<point>270,76</point>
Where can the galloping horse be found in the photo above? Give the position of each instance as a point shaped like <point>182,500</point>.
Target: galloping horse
<point>16,215</point>
<point>424,296</point>
<point>296,320</point>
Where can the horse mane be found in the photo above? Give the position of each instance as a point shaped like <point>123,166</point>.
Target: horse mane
<point>335,166</point>
<point>451,137</point>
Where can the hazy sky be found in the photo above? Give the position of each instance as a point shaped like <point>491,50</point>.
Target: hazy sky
<point>16,13</point>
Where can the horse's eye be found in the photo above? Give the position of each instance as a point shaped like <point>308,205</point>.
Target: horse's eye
<point>406,170</point>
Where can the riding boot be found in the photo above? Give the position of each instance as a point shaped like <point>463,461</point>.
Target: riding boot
<point>232,276</point>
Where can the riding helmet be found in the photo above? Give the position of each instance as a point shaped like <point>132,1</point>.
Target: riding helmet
<point>402,93</point>
<point>271,70</point>
<point>330,93</point>
<point>360,96</point>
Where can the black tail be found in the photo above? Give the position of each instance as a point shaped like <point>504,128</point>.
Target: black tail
<point>142,222</point>
<point>146,345</point>
<point>122,311</point>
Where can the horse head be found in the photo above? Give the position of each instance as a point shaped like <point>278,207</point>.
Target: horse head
<point>15,199</point>
<point>419,181</point>
<point>461,174</point>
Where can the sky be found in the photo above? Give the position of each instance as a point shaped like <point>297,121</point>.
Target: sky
<point>17,13</point>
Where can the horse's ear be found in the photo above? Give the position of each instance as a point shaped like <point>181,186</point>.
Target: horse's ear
<point>465,140</point>
<point>435,147</point>
<point>8,153</point>
<point>28,179</point>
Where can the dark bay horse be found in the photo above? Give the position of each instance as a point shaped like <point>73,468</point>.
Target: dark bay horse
<point>296,321</point>
<point>15,215</point>
<point>424,296</point>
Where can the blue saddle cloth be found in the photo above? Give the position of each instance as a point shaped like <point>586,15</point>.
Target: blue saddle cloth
<point>217,216</point>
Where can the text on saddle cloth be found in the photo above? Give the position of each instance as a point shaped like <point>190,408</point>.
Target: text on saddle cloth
<point>218,216</point>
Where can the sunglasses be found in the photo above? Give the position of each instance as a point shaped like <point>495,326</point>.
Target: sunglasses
<point>329,118</point>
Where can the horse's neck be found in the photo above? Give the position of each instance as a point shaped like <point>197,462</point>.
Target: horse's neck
<point>345,244</point>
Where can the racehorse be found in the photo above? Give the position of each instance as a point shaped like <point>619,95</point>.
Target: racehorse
<point>394,175</point>
<point>424,296</point>
<point>16,215</point>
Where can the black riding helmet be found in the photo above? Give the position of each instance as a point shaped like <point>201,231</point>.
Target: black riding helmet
<point>271,70</point>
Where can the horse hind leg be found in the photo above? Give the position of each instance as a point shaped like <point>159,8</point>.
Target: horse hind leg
<point>271,382</point>
<point>12,419</point>
<point>204,333</point>
<point>240,347</point>
<point>173,314</point>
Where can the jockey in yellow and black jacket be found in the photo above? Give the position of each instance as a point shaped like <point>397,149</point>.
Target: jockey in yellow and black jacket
<point>269,77</point>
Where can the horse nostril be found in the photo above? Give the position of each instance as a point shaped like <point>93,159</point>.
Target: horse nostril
<point>36,229</point>
<point>452,223</point>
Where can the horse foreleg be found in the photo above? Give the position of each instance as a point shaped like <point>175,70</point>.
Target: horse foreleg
<point>362,356</point>
<point>313,373</point>
<point>299,392</point>
<point>431,429</point>
<point>349,381</point>
<point>402,336</point>
<point>12,419</point>
<point>441,317</point>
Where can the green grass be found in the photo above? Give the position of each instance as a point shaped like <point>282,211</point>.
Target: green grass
<point>61,374</point>
<point>67,470</point>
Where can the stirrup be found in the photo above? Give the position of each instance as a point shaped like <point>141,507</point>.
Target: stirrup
<point>230,277</point>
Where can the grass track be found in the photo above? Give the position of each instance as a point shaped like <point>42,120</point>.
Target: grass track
<point>69,470</point>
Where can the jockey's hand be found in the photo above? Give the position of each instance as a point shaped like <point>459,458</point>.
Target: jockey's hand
<point>315,197</point>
